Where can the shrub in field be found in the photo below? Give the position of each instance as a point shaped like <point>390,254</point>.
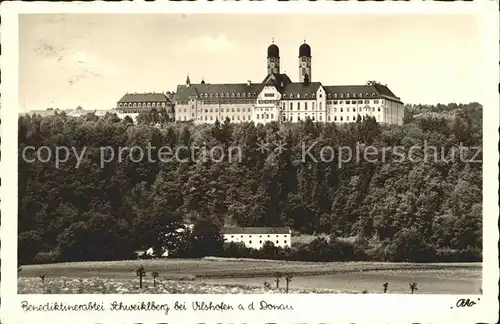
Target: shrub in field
<point>155,275</point>
<point>386,285</point>
<point>140,273</point>
<point>278,275</point>
<point>288,278</point>
<point>46,257</point>
<point>413,287</point>
<point>42,276</point>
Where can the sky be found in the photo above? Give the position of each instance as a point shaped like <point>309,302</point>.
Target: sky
<point>92,60</point>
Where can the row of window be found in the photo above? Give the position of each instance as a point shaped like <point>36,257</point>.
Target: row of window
<point>290,106</point>
<point>222,117</point>
<point>225,102</point>
<point>348,102</point>
<point>228,95</point>
<point>349,95</point>
<point>291,96</point>
<point>247,101</point>
<point>354,109</point>
<point>313,118</point>
<point>320,118</point>
<point>264,116</point>
<point>238,109</point>
<point>266,102</point>
<point>142,104</point>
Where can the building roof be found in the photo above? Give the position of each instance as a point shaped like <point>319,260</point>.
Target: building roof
<point>273,51</point>
<point>256,230</point>
<point>301,88</point>
<point>278,80</point>
<point>199,90</point>
<point>305,50</point>
<point>145,97</point>
<point>359,92</point>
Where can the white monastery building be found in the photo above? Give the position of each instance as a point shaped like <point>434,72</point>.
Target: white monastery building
<point>279,99</point>
<point>255,237</point>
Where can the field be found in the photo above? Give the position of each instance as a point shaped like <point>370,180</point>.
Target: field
<point>214,275</point>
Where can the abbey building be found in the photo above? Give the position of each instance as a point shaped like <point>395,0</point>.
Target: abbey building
<point>278,98</point>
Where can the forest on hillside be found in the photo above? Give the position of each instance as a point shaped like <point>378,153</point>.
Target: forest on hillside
<point>388,208</point>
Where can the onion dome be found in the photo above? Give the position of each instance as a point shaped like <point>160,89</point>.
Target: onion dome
<point>273,51</point>
<point>305,50</point>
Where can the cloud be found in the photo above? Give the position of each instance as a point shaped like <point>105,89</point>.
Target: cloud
<point>210,45</point>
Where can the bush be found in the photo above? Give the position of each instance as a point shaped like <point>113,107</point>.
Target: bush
<point>46,257</point>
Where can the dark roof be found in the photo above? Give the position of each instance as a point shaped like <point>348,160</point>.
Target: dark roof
<point>360,91</point>
<point>278,80</point>
<point>384,90</point>
<point>199,90</point>
<point>144,97</point>
<point>305,50</point>
<point>256,230</point>
<point>300,88</point>
<point>273,51</point>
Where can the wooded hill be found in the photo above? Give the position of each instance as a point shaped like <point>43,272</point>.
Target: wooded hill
<point>94,213</point>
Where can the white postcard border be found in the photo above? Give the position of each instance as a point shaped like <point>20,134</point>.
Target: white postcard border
<point>369,308</point>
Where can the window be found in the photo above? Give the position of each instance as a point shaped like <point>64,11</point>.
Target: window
<point>329,95</point>
<point>260,242</point>
<point>291,106</point>
<point>347,95</point>
<point>320,105</point>
<point>321,95</point>
<point>329,118</point>
<point>298,105</point>
<point>249,242</point>
<point>232,235</point>
<point>291,95</point>
<point>360,101</point>
<point>353,118</point>
<point>305,105</point>
<point>334,110</point>
<point>335,95</point>
<point>335,118</point>
<point>341,109</point>
<point>257,116</point>
<point>248,109</point>
<point>354,95</point>
<point>375,101</point>
<point>347,118</point>
<point>305,95</point>
<point>272,116</point>
<point>313,105</point>
<point>347,102</point>
<point>284,241</point>
<point>378,108</point>
<point>232,94</point>
<point>277,241</point>
<point>360,95</point>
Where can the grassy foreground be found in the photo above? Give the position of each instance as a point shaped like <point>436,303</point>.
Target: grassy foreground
<point>186,269</point>
<point>63,285</point>
<point>234,276</point>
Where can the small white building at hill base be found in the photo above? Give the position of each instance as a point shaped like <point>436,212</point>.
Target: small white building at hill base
<point>255,237</point>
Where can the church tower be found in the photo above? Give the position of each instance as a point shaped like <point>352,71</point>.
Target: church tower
<point>273,59</point>
<point>304,62</point>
